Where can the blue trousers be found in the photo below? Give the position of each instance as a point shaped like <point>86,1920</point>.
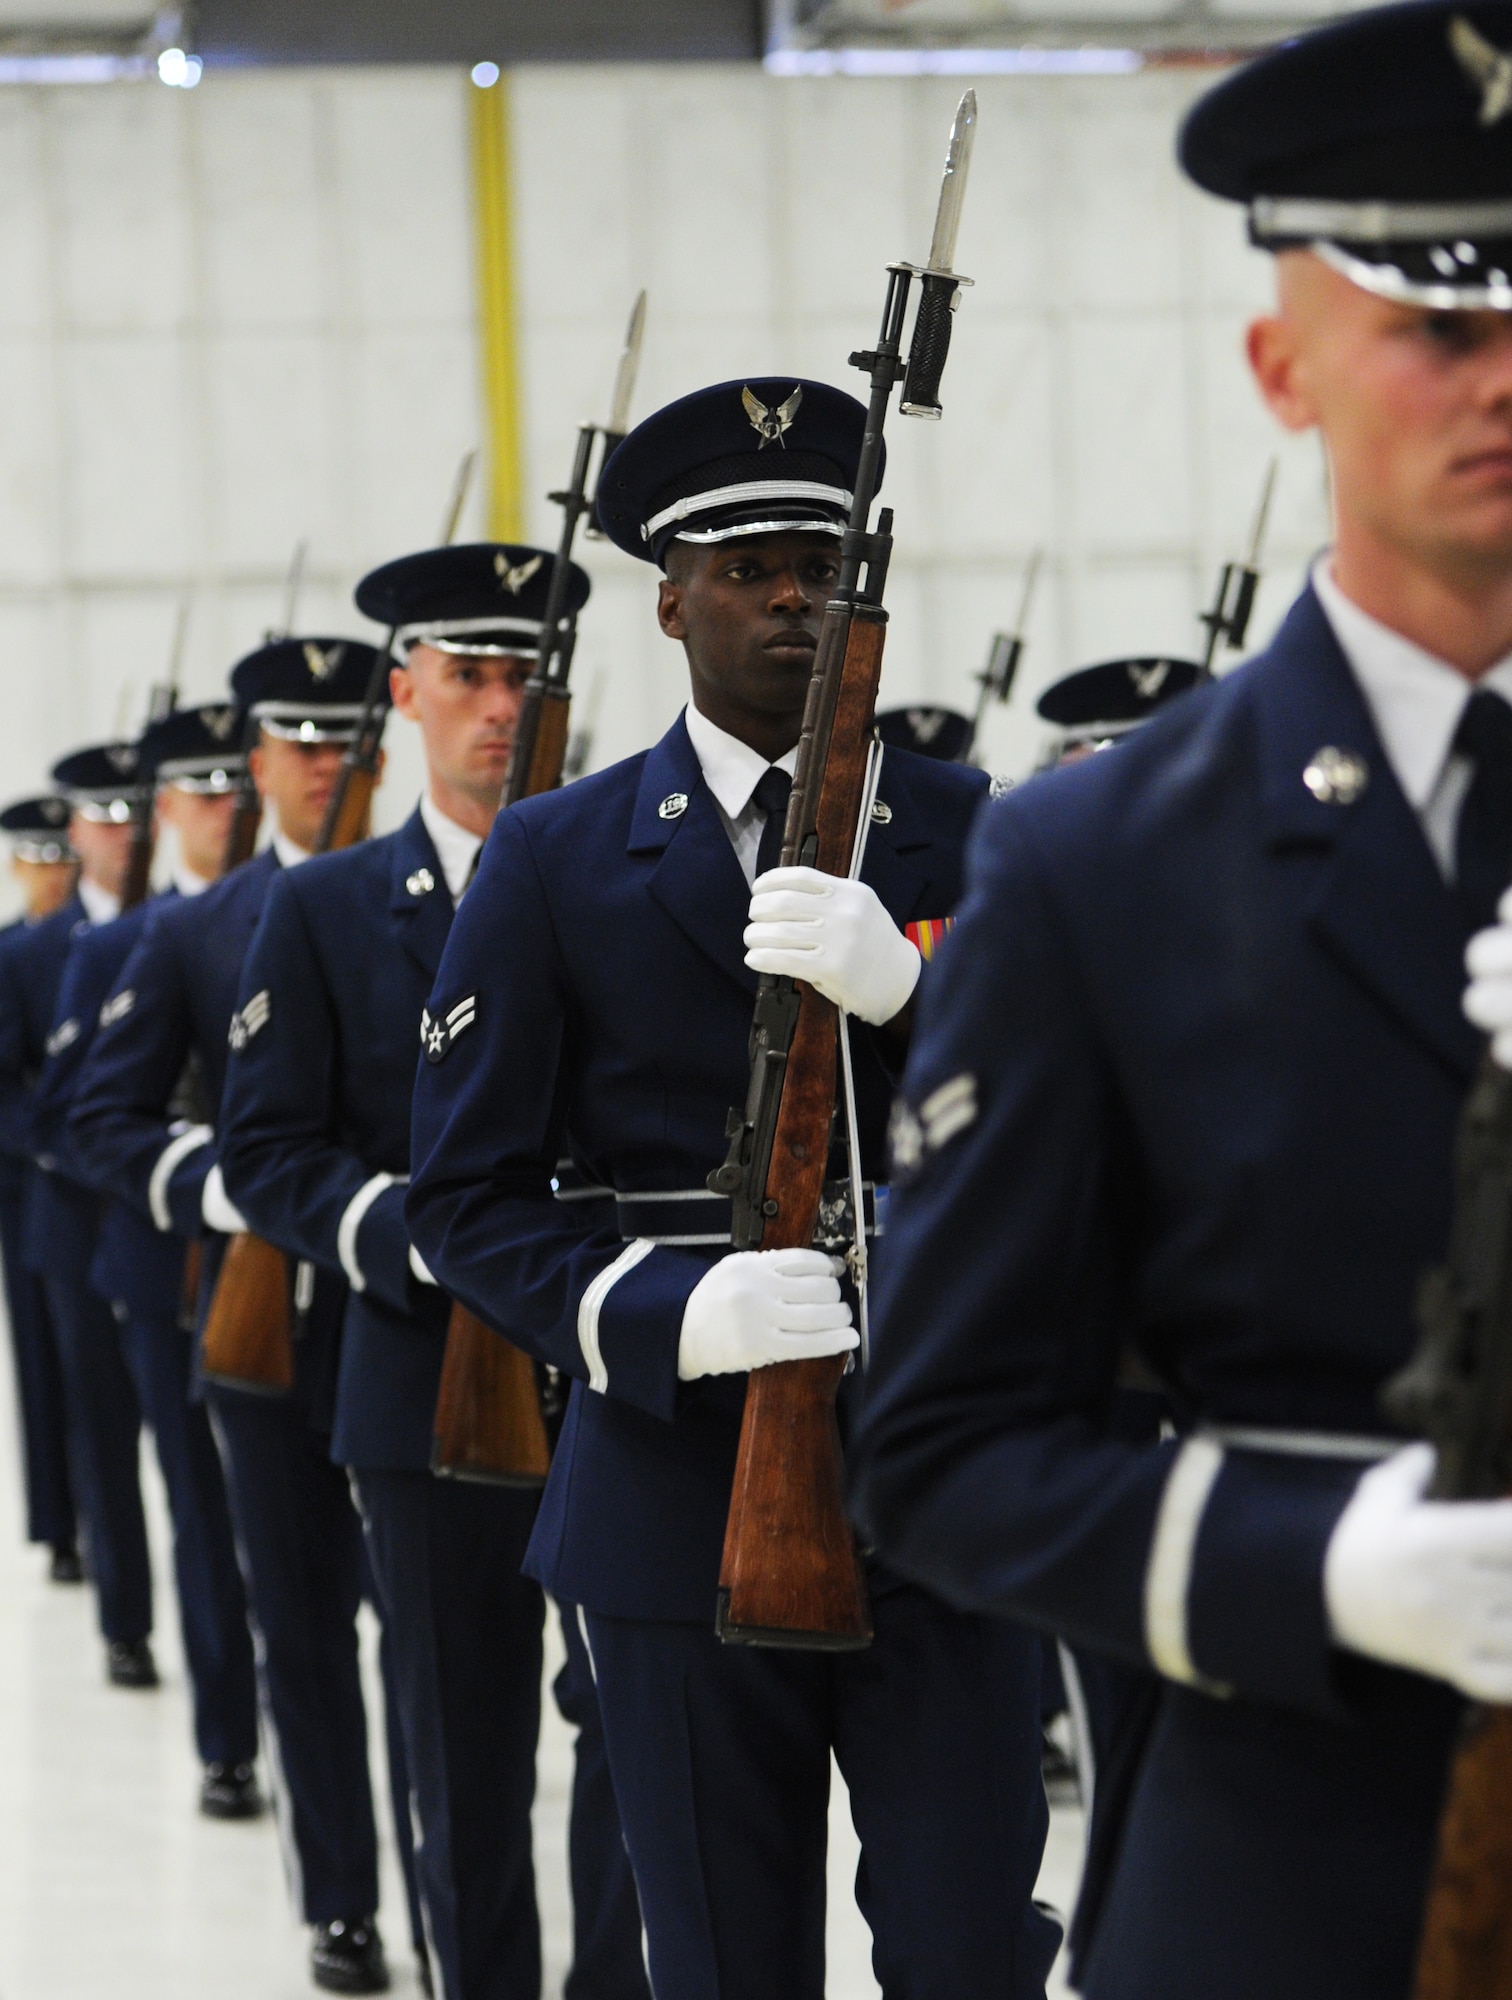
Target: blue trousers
<point>39,1393</point>
<point>104,1434</point>
<point>608,1957</point>
<point>721,1761</point>
<point>300,1546</point>
<point>212,1602</point>
<point>466,1634</point>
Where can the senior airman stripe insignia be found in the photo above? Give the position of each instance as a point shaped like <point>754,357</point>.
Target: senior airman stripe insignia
<point>117,1008</point>
<point>251,1020</point>
<point>62,1037</point>
<point>929,935</point>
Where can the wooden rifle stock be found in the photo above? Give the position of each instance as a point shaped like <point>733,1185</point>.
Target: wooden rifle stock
<point>489,1425</point>
<point>791,1574</point>
<point>1458,1389</point>
<point>248,1341</point>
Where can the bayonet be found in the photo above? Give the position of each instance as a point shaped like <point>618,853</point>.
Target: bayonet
<point>619,405</point>
<point>939,282</point>
<point>1007,649</point>
<point>942,246</point>
<point>458,499</point>
<point>625,374</point>
<point>1228,620</point>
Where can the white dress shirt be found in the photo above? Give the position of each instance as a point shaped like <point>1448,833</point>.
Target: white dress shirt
<point>289,852</point>
<point>187,882</point>
<point>1416,702</point>
<point>456,847</point>
<point>732,770</point>
<point>99,905</point>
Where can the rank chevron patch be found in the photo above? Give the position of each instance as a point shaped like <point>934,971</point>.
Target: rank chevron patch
<point>118,1007</point>
<point>437,1036</point>
<point>252,1019</point>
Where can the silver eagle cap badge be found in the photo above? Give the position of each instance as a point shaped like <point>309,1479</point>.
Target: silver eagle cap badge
<point>1148,681</point>
<point>771,426</point>
<point>322,664</point>
<point>1488,68</point>
<point>515,579</point>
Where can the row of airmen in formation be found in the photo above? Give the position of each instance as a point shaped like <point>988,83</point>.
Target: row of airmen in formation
<point>1171,1116</point>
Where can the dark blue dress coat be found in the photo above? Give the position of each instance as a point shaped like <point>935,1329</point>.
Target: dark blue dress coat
<point>593,1000</point>
<point>184,972</point>
<point>1185,1096</point>
<point>347,951</point>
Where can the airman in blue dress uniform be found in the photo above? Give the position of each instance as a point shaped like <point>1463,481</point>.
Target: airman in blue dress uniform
<point>45,866</point>
<point>298,1535</point>
<point>190,758</point>
<point>106,794</point>
<point>1184,1098</point>
<point>314,1143</point>
<point>595,997</point>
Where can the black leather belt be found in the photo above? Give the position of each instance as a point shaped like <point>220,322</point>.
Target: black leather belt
<point>693,1218</point>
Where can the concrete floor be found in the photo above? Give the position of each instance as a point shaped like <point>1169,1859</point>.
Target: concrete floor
<point>112,1885</point>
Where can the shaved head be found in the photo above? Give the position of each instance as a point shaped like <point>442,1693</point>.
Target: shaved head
<point>1414,407</point>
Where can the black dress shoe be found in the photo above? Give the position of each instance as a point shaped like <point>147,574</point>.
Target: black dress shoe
<point>65,1566</point>
<point>129,1664</point>
<point>230,1791</point>
<point>347,1957</point>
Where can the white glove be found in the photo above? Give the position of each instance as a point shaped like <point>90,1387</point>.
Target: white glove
<point>217,1207</point>
<point>760,1306</point>
<point>1425,1584</point>
<point>1488,997</point>
<point>419,1268</point>
<point>835,934</point>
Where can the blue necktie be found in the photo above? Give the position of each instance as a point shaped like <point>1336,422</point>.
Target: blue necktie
<point>773,789</point>
<point>1483,841</point>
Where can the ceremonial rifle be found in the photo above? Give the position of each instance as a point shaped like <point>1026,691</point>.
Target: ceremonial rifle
<point>1003,656</point>
<point>490,1425</point>
<point>791,1575</point>
<point>246,821</point>
<point>248,1340</point>
<point>163,700</point>
<point>1234,600</point>
<point>1457,1390</point>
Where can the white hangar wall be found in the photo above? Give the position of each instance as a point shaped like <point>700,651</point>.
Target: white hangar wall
<point>240,315</point>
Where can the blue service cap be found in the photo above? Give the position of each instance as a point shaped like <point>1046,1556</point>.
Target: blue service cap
<point>942,733</point>
<point>38,828</point>
<point>306,690</point>
<point>198,749</point>
<point>107,781</point>
<point>1108,699</point>
<point>1383,143</point>
<point>482,597</point>
<point>758,457</point>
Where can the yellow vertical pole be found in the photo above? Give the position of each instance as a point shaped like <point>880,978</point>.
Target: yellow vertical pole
<point>493,219</point>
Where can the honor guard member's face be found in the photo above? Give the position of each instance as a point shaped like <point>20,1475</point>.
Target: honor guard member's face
<point>467,706</point>
<point>1374,159</point>
<point>741,493</point>
<point>202,821</point>
<point>299,779</point>
<point>104,849</point>
<point>45,885</point>
<point>748,614</point>
<point>1414,405</point>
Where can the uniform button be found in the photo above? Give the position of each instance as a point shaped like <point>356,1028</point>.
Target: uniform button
<point>1336,777</point>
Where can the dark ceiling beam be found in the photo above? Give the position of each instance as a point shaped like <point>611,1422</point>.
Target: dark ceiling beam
<point>469,31</point>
